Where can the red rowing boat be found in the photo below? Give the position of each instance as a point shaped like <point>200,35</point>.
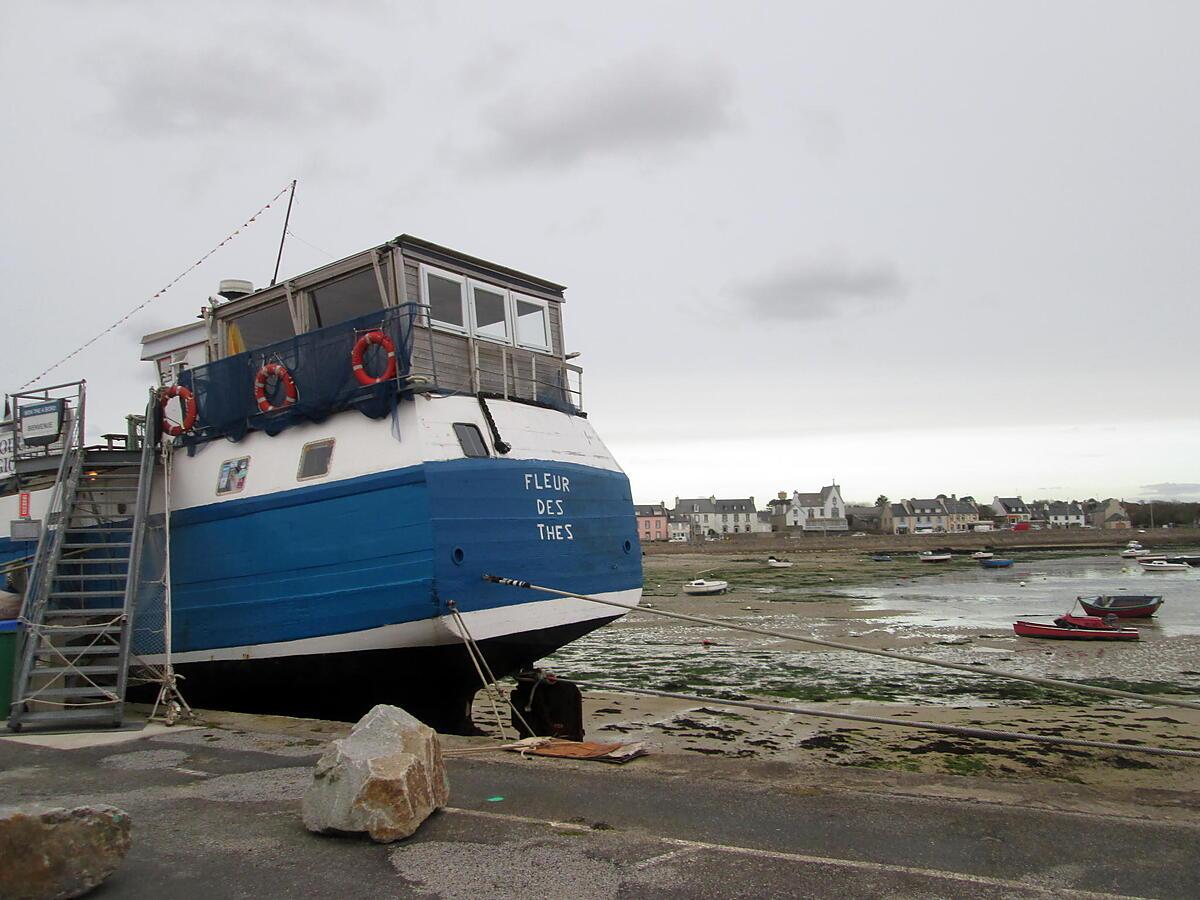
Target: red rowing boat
<point>1123,606</point>
<point>1075,628</point>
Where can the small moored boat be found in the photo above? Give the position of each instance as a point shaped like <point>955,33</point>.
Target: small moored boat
<point>880,557</point>
<point>1075,628</point>
<point>996,563</point>
<point>700,587</point>
<point>1134,552</point>
<point>1161,565</point>
<point>776,563</point>
<point>982,554</point>
<point>1124,606</point>
<point>930,556</point>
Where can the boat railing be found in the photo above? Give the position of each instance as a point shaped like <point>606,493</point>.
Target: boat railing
<point>72,397</point>
<point>449,362</point>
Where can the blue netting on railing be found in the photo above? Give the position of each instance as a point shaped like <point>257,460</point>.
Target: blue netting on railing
<point>319,363</point>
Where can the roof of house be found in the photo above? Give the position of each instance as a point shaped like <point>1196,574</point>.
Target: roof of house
<point>959,507</point>
<point>927,506</point>
<point>1013,504</point>
<point>898,509</point>
<point>736,505</point>
<point>695,505</point>
<point>649,509</point>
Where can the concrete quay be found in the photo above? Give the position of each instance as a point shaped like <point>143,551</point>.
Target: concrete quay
<point>216,815</point>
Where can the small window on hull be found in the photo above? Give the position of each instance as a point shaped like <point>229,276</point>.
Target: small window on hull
<point>315,459</point>
<point>470,439</point>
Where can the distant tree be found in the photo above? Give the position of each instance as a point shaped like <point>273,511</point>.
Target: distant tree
<point>881,501</point>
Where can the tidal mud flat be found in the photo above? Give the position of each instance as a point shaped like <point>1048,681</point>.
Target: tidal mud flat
<point>954,612</point>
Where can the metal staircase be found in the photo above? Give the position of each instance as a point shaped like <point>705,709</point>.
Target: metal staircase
<point>78,613</point>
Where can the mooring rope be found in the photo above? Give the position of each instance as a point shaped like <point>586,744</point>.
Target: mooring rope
<point>855,648</point>
<point>963,730</point>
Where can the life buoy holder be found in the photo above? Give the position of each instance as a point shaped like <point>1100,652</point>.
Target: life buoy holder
<point>360,350</point>
<point>279,370</point>
<point>188,400</point>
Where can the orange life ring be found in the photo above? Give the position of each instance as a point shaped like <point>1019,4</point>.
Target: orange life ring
<point>188,399</point>
<point>260,387</point>
<point>360,349</point>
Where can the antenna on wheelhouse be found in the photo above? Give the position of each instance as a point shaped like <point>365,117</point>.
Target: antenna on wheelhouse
<point>283,237</point>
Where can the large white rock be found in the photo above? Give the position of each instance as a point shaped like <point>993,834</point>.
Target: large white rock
<point>54,854</point>
<point>386,778</point>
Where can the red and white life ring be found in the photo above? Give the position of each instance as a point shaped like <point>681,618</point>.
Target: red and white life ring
<point>360,349</point>
<point>188,400</point>
<point>260,387</point>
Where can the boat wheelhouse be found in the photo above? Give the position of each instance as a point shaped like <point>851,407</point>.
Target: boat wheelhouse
<point>351,451</point>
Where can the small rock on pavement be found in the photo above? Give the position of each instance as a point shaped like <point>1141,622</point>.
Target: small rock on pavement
<point>386,778</point>
<point>53,854</point>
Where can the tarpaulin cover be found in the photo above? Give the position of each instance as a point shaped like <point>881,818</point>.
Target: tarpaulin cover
<point>319,364</point>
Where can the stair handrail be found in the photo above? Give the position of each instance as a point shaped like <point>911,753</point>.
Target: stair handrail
<point>141,521</point>
<point>49,548</point>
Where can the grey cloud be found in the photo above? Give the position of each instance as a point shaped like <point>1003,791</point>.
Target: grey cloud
<point>822,289</point>
<point>1172,489</point>
<point>634,107</point>
<point>217,90</point>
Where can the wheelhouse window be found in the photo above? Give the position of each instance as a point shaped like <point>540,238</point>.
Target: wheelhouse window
<point>445,295</point>
<point>315,458</point>
<point>470,439</point>
<point>489,312</point>
<point>260,327</point>
<point>533,322</point>
<point>349,297</point>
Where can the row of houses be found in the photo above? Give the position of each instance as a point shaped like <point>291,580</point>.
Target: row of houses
<point>950,514</point>
<point>698,518</point>
<point>825,512</point>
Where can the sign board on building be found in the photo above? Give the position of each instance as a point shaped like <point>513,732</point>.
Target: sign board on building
<point>23,505</point>
<point>40,423</point>
<point>8,457</point>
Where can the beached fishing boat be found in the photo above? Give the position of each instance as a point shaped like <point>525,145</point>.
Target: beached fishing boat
<point>700,587</point>
<point>1124,606</point>
<point>351,450</point>
<point>1075,628</point>
<point>996,563</point>
<point>929,556</point>
<point>1192,560</point>
<point>1161,565</point>
<point>776,563</point>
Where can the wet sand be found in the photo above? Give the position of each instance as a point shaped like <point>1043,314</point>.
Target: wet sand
<point>911,607</point>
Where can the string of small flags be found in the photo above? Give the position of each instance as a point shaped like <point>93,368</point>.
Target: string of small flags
<point>170,284</point>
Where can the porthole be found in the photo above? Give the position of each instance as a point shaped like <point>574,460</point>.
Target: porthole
<point>628,546</point>
<point>315,459</point>
<point>458,556</point>
<point>470,440</point>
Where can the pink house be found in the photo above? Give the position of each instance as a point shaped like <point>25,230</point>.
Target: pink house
<point>652,522</point>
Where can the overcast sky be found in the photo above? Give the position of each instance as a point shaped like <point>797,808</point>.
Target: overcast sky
<point>918,247</point>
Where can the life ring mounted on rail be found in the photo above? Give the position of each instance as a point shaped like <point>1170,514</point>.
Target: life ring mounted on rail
<point>360,350</point>
<point>279,370</point>
<point>188,400</point>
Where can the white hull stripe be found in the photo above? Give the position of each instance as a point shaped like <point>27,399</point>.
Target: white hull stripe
<point>483,624</point>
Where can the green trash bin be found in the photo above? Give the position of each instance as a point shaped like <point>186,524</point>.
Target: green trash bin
<point>8,655</point>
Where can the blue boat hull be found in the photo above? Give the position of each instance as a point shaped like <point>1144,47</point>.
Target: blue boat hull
<point>260,586</point>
